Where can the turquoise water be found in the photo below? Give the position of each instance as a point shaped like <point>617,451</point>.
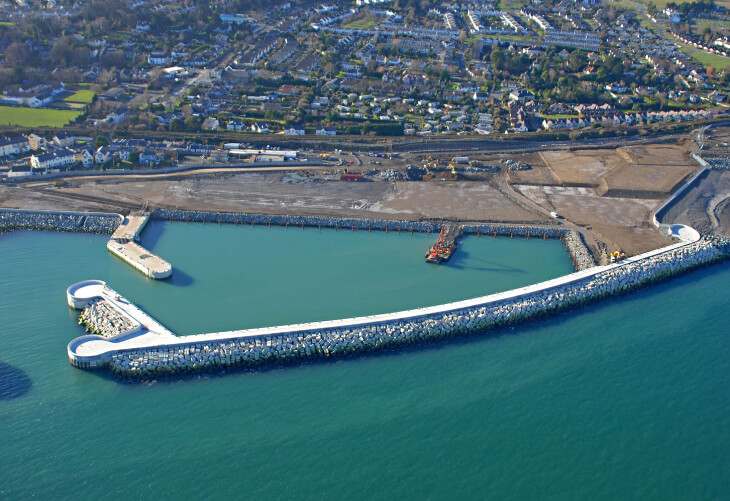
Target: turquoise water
<point>627,399</point>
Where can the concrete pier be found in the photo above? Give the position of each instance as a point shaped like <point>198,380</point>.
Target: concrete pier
<point>123,244</point>
<point>92,350</point>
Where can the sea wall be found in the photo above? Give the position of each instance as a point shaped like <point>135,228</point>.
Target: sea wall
<point>575,246</point>
<point>84,222</point>
<point>242,350</point>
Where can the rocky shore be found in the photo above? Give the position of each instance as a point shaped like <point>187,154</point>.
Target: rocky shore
<point>102,319</point>
<point>244,352</point>
<point>58,221</point>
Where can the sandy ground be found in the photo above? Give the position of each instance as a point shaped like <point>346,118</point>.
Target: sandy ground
<point>705,207</point>
<point>623,223</point>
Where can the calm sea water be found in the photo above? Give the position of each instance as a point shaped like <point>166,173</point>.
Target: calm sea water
<point>627,399</point>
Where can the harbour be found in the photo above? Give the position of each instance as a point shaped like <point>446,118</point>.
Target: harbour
<point>470,410</point>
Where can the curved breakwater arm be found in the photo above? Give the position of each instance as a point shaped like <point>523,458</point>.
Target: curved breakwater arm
<point>154,354</point>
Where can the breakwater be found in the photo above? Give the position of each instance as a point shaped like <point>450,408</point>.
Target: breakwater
<point>580,254</point>
<point>166,355</point>
<point>84,222</point>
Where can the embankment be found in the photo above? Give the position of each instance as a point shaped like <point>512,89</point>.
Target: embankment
<point>84,222</point>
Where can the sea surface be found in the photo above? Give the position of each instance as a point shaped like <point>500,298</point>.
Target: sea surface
<point>625,399</point>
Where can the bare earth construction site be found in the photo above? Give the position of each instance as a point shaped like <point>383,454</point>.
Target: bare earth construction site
<point>607,194</point>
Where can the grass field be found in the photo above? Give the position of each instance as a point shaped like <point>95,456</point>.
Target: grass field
<point>707,59</point>
<point>36,117</point>
<point>84,96</point>
<point>360,24</point>
<point>661,4</point>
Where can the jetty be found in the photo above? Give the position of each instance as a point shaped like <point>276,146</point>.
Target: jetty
<point>123,243</point>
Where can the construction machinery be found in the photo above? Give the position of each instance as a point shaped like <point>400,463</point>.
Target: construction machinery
<point>441,250</point>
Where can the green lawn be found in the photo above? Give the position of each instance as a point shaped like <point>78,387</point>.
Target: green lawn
<point>36,117</point>
<point>707,59</point>
<point>360,24</point>
<point>663,3</point>
<point>84,96</point>
<point>559,116</point>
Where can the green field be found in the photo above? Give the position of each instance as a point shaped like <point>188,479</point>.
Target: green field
<point>36,117</point>
<point>661,4</point>
<point>84,96</point>
<point>360,24</point>
<point>707,59</point>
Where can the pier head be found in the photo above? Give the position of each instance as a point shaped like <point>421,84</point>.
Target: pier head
<point>123,244</point>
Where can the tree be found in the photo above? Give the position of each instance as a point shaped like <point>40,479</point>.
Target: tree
<point>17,53</point>
<point>100,141</point>
<point>177,125</point>
<point>577,61</point>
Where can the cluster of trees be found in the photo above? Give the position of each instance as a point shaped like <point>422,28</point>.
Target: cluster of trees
<point>686,8</point>
<point>381,129</point>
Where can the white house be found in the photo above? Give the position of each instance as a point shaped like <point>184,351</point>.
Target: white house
<point>58,159</point>
<point>294,130</point>
<point>158,58</point>
<point>211,124</point>
<point>261,127</point>
<point>64,139</point>
<point>235,124</point>
<point>13,145</point>
<point>326,131</point>
<point>102,155</point>
<point>86,157</point>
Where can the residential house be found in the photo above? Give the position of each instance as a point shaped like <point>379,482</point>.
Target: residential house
<point>56,160</point>
<point>236,124</point>
<point>117,116</point>
<point>294,130</point>
<point>36,142</point>
<point>481,96</point>
<point>521,95</point>
<point>102,155</point>
<point>13,145</point>
<point>20,171</point>
<point>326,131</point>
<point>211,123</point>
<point>158,59</point>
<point>148,157</point>
<point>261,127</point>
<point>287,90</point>
<point>64,139</point>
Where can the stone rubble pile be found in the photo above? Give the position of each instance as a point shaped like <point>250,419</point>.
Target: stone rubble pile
<point>282,220</point>
<point>514,165</point>
<point>720,162</point>
<point>251,352</point>
<point>99,317</point>
<point>582,257</point>
<point>58,221</point>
